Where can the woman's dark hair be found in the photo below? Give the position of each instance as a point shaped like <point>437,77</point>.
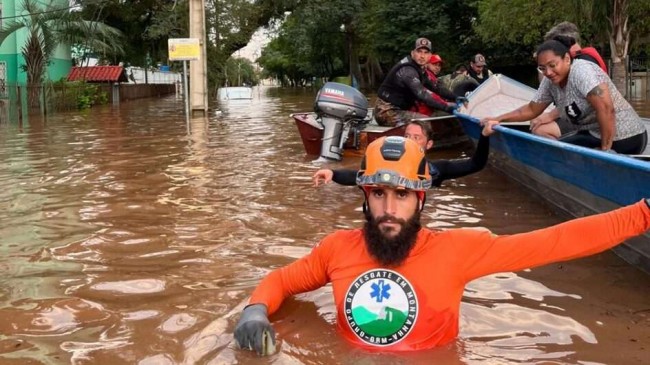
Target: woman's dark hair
<point>558,48</point>
<point>566,40</point>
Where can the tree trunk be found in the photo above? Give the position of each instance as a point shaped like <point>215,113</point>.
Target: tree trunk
<point>618,77</point>
<point>356,68</point>
<point>377,73</point>
<point>35,67</point>
<point>619,41</point>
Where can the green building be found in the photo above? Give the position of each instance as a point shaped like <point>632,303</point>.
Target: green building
<point>11,59</point>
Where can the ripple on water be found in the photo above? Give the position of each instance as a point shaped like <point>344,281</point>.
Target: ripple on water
<point>178,322</point>
<point>139,286</point>
<point>49,317</point>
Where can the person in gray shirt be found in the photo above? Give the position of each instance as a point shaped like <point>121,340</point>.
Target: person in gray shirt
<point>586,97</point>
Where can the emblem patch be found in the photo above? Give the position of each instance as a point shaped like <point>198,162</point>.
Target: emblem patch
<point>381,307</point>
<point>573,112</point>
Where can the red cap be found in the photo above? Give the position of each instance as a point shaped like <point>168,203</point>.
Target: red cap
<point>435,59</point>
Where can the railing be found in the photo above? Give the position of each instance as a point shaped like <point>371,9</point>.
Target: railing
<point>17,99</point>
<point>637,78</point>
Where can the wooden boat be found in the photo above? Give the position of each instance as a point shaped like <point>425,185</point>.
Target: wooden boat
<point>576,180</point>
<point>447,129</point>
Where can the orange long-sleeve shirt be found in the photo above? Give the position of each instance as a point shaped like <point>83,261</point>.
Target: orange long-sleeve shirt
<point>416,305</point>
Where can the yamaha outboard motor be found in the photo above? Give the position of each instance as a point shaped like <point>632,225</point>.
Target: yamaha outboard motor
<point>338,106</point>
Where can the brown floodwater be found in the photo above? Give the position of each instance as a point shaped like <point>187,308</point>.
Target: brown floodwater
<point>124,239</point>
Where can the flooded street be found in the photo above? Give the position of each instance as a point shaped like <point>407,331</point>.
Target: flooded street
<point>126,240</point>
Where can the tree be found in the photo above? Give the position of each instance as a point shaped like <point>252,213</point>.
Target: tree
<point>48,27</point>
<point>145,24</point>
<point>389,29</point>
<point>365,37</point>
<point>600,21</point>
<point>239,71</point>
<point>619,30</point>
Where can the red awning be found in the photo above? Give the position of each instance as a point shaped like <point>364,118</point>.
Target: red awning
<point>98,74</point>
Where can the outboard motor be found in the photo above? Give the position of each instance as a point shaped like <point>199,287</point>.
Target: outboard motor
<point>338,106</point>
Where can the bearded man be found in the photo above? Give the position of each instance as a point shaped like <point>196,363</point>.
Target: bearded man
<point>398,286</point>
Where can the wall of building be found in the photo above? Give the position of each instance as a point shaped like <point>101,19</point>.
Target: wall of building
<point>10,49</point>
<point>137,76</point>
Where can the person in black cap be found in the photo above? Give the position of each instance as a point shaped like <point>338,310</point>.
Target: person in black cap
<point>405,84</point>
<point>478,68</point>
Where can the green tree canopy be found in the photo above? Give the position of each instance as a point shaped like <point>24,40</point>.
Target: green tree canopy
<point>605,23</point>
<point>50,26</point>
<point>239,71</point>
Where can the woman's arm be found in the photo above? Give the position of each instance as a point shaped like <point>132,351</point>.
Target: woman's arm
<point>523,113</point>
<point>601,100</point>
<point>544,118</point>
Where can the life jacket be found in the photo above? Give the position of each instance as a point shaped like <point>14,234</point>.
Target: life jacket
<point>592,55</point>
<point>423,108</point>
<point>393,91</point>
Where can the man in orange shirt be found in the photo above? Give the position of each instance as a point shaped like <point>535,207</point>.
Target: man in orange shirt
<point>398,286</point>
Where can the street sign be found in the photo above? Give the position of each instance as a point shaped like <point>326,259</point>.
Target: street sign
<point>184,49</point>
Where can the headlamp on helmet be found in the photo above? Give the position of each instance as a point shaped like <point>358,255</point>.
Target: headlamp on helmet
<point>394,162</point>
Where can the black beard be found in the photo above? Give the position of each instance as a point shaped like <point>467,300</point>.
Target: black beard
<point>391,251</point>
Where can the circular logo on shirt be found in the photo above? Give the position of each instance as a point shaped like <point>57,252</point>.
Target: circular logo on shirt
<point>381,307</point>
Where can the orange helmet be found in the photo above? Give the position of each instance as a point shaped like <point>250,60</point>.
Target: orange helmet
<point>395,162</point>
<point>435,59</point>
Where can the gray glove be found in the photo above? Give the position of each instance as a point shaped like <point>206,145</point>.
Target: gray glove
<point>254,331</point>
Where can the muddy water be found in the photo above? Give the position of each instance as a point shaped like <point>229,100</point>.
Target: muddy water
<point>126,240</point>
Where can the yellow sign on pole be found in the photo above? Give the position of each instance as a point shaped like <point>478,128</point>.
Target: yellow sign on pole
<point>184,49</point>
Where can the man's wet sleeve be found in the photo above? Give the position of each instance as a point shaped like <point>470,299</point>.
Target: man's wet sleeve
<point>569,240</point>
<point>455,168</point>
<point>411,79</point>
<point>442,90</point>
<point>306,274</point>
<point>345,177</point>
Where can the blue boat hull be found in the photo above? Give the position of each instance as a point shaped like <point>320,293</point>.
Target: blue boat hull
<point>576,180</point>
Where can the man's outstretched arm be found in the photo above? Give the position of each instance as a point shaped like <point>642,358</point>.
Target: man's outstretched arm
<point>573,239</point>
<point>452,169</point>
<point>343,177</point>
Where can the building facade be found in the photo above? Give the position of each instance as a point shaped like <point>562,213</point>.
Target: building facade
<point>11,58</point>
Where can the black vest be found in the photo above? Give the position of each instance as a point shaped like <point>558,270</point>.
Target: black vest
<point>395,92</point>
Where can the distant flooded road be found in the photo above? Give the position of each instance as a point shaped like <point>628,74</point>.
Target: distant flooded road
<point>124,239</point>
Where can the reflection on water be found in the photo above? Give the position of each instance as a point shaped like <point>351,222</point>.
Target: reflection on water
<point>126,239</point>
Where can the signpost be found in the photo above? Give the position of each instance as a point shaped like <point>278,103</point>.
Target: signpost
<point>184,49</point>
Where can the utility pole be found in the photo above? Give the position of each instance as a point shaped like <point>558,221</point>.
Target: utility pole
<point>198,69</point>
